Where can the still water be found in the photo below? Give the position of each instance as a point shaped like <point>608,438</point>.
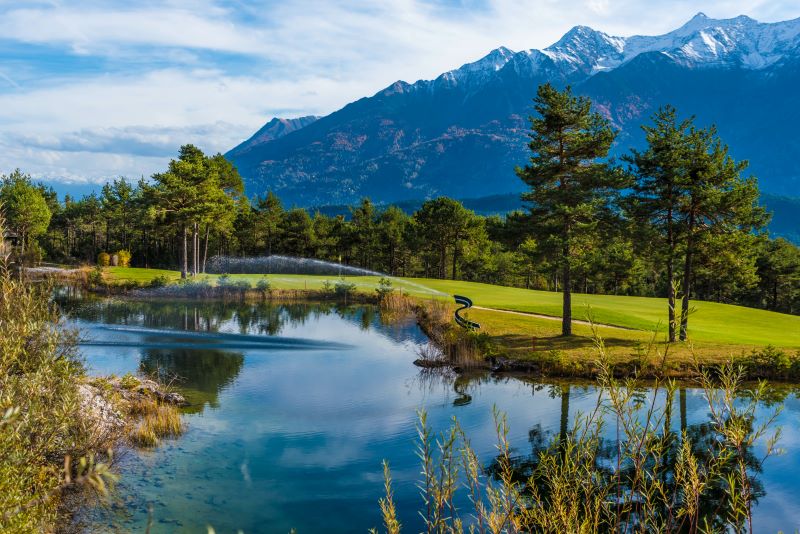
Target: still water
<point>294,407</point>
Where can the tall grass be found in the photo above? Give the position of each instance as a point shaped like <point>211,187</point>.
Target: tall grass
<point>649,478</point>
<point>42,428</point>
<point>157,420</point>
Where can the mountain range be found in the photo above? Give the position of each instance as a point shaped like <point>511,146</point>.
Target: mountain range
<point>463,133</point>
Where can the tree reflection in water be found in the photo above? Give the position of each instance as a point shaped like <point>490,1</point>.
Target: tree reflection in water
<point>615,471</point>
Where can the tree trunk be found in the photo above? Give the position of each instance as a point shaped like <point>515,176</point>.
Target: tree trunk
<point>671,299</point>
<point>205,247</point>
<point>687,278</point>
<point>683,408</point>
<point>185,254</point>
<point>671,272</point>
<point>195,251</point>
<point>566,320</point>
<point>455,260</point>
<point>562,435</point>
<point>775,293</point>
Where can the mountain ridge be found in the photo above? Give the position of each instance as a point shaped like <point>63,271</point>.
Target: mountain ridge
<point>462,133</point>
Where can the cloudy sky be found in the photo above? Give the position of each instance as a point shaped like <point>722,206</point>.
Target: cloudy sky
<point>90,90</point>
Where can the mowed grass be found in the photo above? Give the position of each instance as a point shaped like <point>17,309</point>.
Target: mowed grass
<point>530,337</point>
<point>711,324</point>
<point>710,321</point>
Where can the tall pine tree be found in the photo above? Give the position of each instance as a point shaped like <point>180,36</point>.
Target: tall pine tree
<point>656,200</point>
<point>571,184</point>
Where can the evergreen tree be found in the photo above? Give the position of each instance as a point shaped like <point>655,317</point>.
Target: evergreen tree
<point>656,200</point>
<point>442,224</point>
<point>392,224</point>
<point>716,200</point>
<point>688,192</point>
<point>570,183</point>
<point>364,231</point>
<point>269,213</point>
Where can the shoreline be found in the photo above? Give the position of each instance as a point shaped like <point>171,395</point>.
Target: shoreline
<point>499,353</point>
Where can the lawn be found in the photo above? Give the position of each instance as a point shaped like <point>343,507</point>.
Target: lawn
<point>712,324</point>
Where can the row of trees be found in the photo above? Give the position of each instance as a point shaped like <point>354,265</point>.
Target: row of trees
<point>675,219</point>
<point>685,195</point>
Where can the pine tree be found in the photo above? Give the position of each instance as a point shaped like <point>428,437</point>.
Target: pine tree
<point>717,200</point>
<point>571,184</point>
<point>660,181</point>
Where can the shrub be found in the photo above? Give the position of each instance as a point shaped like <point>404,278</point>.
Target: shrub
<point>129,381</point>
<point>224,280</point>
<point>770,362</point>
<point>263,286</point>
<point>103,259</point>
<point>384,288</point>
<point>124,258</point>
<point>95,277</point>
<point>344,288</point>
<point>241,285</point>
<point>159,281</point>
<point>42,426</point>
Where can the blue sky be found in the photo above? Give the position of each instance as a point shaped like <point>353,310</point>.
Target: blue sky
<point>92,90</point>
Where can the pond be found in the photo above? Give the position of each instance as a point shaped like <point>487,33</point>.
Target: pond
<point>294,407</point>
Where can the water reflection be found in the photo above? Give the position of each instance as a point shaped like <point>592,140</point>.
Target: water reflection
<point>201,373</point>
<point>277,429</point>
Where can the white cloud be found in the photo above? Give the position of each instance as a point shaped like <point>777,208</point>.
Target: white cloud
<point>169,68</point>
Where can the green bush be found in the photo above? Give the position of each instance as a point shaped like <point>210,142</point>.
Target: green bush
<point>159,281</point>
<point>263,286</point>
<point>344,288</point>
<point>103,259</point>
<point>95,277</point>
<point>241,285</point>
<point>124,258</point>
<point>41,419</point>
<point>771,362</point>
<point>384,288</point>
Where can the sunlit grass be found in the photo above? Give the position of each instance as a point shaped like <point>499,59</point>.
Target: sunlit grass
<point>712,323</point>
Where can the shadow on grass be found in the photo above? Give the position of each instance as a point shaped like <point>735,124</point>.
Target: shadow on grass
<point>559,343</point>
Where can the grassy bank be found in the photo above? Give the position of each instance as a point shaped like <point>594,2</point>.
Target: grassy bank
<point>712,325</point>
<point>524,325</point>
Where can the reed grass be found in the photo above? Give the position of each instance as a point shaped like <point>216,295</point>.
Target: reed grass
<point>650,479</point>
<point>42,425</point>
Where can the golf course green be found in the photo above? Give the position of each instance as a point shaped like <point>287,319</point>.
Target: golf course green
<point>710,322</point>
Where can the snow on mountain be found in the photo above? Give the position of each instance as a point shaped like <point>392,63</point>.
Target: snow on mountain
<point>465,131</point>
<point>739,41</point>
<point>587,49</point>
<point>583,51</point>
<point>702,41</point>
<point>477,71</point>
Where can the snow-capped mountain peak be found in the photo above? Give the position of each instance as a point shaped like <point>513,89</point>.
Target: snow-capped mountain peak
<point>477,70</point>
<point>706,42</point>
<point>587,49</point>
<point>701,42</point>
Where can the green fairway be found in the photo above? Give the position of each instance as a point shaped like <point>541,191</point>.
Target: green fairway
<point>711,322</point>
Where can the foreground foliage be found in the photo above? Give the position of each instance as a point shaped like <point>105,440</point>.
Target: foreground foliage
<point>42,428</point>
<point>649,479</point>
